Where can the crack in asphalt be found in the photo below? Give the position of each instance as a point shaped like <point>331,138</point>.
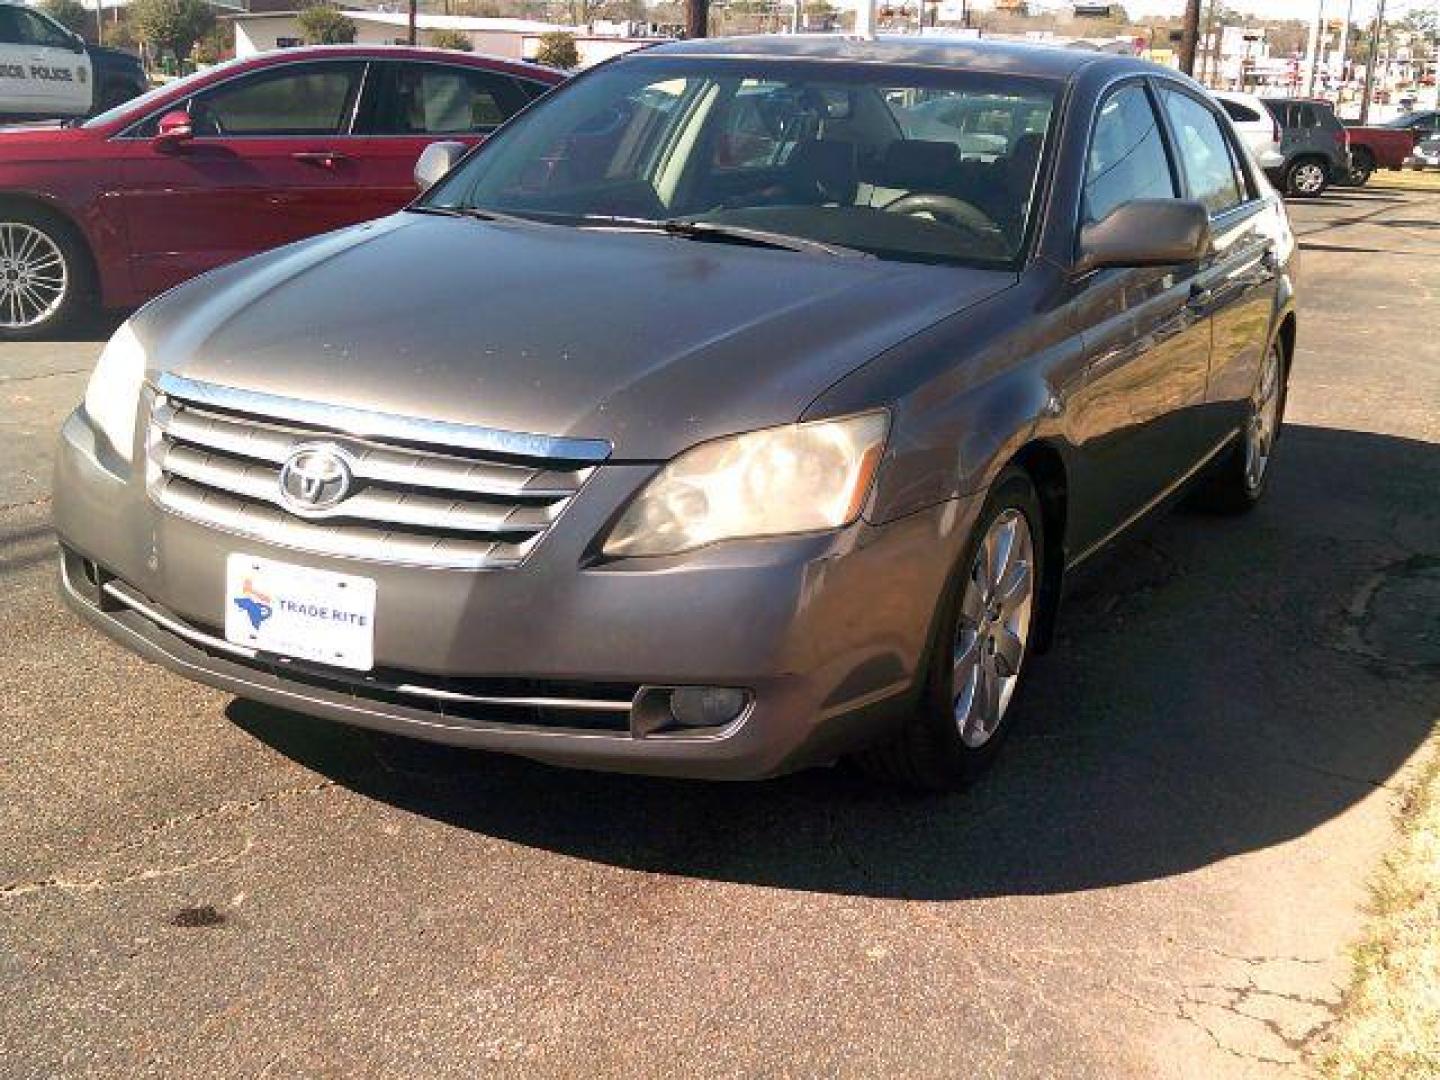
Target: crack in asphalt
<point>100,884</point>
<point>240,807</point>
<point>13,379</point>
<point>39,500</point>
<point>1188,1005</point>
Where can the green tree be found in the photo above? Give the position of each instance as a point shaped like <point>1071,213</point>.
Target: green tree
<point>323,24</point>
<point>558,50</point>
<point>452,39</point>
<point>172,25</point>
<point>70,14</point>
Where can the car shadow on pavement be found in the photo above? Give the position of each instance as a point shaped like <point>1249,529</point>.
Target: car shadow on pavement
<point>1219,686</point>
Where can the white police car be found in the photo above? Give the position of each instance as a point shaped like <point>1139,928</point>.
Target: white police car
<point>46,72</point>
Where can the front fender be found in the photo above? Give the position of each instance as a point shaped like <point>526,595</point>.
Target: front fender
<point>968,394</point>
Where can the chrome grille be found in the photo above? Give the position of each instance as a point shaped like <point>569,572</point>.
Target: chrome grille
<point>215,456</point>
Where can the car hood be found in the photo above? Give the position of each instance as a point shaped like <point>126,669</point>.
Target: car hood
<point>653,343</point>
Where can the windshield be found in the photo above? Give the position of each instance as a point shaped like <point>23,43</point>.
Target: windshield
<point>899,163</point>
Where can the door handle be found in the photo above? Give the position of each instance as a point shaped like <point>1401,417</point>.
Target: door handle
<point>323,158</point>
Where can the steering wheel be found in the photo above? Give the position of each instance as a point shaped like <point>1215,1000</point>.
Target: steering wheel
<point>948,209</point>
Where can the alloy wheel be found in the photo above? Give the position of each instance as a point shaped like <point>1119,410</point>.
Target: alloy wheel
<point>1309,179</point>
<point>994,626</point>
<point>34,277</point>
<point>1264,421</point>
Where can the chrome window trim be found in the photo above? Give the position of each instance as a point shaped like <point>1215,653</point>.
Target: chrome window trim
<point>364,423</point>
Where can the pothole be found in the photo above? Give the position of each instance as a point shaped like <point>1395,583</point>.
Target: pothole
<point>1395,616</point>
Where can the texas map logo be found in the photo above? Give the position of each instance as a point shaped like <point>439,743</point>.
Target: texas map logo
<point>255,604</point>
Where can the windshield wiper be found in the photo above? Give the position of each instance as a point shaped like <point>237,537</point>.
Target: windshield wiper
<point>691,229</point>
<point>479,213</point>
<point>743,234</point>
<point>687,228</point>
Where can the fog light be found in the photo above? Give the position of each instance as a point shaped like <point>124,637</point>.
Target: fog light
<point>706,706</point>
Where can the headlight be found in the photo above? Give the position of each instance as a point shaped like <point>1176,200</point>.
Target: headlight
<point>792,479</point>
<point>114,391</point>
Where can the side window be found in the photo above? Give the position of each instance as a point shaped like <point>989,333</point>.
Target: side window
<point>300,99</point>
<point>1127,157</point>
<point>37,31</point>
<point>531,89</point>
<point>9,26</point>
<point>1206,158</point>
<point>1307,116</point>
<point>432,99</point>
<point>1239,113</point>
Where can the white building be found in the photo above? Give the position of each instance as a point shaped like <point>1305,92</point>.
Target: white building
<point>511,39</point>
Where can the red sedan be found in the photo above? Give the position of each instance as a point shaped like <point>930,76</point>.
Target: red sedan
<point>231,161</point>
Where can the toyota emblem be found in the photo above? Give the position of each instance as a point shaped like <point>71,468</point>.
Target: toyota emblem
<point>315,478</point>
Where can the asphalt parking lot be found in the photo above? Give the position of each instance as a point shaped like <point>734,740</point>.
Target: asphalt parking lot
<point>1160,879</point>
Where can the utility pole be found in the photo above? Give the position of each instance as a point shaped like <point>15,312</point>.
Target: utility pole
<point>697,18</point>
<point>1209,48</point>
<point>865,20</point>
<point>99,22</point>
<point>1342,74</point>
<point>1312,48</point>
<point>1370,60</point>
<point>1189,36</point>
<point>410,37</point>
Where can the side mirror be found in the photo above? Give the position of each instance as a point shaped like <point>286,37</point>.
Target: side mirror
<point>1146,232</point>
<point>435,161</point>
<point>174,128</point>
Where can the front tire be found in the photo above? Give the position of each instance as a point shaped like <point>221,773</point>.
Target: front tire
<point>44,273</point>
<point>1307,178</point>
<point>982,647</point>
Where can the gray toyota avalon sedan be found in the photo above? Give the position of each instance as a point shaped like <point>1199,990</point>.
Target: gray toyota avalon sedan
<point>740,405</point>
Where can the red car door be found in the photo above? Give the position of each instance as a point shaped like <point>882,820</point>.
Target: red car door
<point>417,102</point>
<point>271,159</point>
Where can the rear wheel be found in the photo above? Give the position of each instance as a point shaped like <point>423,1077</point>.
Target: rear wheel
<point>983,643</point>
<point>1307,178</point>
<point>1240,478</point>
<point>44,273</point>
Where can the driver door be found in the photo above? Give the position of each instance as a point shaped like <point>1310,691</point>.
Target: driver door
<point>271,161</point>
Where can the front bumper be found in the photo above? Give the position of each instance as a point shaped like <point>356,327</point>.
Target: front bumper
<point>827,633</point>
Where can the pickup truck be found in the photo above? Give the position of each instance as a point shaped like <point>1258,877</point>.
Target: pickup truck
<point>49,73</point>
<point>1377,147</point>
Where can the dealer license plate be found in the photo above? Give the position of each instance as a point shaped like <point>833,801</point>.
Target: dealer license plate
<point>298,611</point>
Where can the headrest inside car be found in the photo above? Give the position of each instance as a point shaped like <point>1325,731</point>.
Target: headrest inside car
<point>828,164</point>
<point>918,163</point>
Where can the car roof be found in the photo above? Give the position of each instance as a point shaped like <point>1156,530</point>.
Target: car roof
<point>1007,57</point>
<point>389,52</point>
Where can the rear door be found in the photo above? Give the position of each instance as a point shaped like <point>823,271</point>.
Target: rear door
<point>413,103</point>
<point>1237,282</point>
<point>1147,343</point>
<point>272,160</point>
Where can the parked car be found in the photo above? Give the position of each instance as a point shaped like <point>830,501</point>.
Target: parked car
<point>612,451</point>
<point>1425,123</point>
<point>240,158</point>
<point>1425,155</point>
<point>46,72</point>
<point>1379,147</point>
<point>1257,127</point>
<point>1313,144</point>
